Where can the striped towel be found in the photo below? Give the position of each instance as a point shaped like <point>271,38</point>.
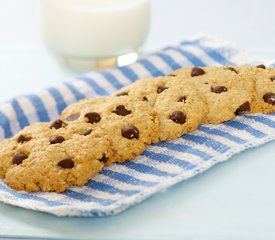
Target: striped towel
<point>161,165</point>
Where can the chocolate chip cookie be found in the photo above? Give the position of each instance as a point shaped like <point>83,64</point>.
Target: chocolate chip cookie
<point>264,96</point>
<point>131,124</point>
<point>227,93</point>
<point>54,159</point>
<point>29,138</point>
<point>181,109</point>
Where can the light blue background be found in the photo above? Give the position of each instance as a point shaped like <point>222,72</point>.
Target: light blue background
<point>234,200</point>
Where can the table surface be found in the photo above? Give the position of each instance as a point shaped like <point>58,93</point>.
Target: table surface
<point>233,200</point>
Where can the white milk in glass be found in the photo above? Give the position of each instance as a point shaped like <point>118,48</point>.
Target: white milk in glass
<point>94,30</point>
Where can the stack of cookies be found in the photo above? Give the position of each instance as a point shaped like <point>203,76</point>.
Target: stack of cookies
<point>96,132</point>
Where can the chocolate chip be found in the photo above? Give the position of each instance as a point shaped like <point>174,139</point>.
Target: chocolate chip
<point>121,110</point>
<point>182,99</point>
<point>122,94</point>
<point>104,159</point>
<point>232,69</point>
<point>87,132</point>
<point>161,89</point>
<point>56,139</point>
<point>269,98</point>
<point>23,138</point>
<point>145,99</point>
<point>206,83</point>
<point>130,132</point>
<point>245,107</point>
<point>18,158</point>
<point>196,71</point>
<point>73,117</point>
<point>57,124</point>
<point>272,79</point>
<point>66,163</point>
<point>218,89</point>
<point>93,117</point>
<point>172,75</point>
<point>178,117</point>
<point>261,66</point>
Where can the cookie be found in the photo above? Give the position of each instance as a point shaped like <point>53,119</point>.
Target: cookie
<point>147,89</point>
<point>27,137</point>
<point>181,109</point>
<point>227,93</point>
<point>66,157</point>
<point>131,124</point>
<point>264,97</point>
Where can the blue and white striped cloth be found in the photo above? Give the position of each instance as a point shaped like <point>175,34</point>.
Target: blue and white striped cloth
<point>160,166</point>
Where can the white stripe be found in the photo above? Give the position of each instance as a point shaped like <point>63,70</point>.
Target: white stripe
<point>97,193</point>
<point>165,167</point>
<point>201,147</point>
<point>21,202</point>
<point>68,200</point>
<point>53,196</point>
<point>179,58</point>
<point>85,87</point>
<point>28,108</point>
<point>259,126</point>
<point>9,112</point>
<point>120,77</point>
<point>218,138</point>
<point>236,132</point>
<point>2,134</point>
<point>140,70</point>
<point>159,63</point>
<point>187,157</point>
<point>101,81</point>
<point>268,116</point>
<point>200,54</point>
<point>49,103</point>
<point>131,172</point>
<point>118,184</point>
<point>222,139</point>
<point>66,94</point>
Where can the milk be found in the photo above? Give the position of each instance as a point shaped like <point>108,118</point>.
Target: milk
<point>95,29</point>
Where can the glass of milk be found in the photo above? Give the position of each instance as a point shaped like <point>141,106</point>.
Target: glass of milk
<point>88,34</point>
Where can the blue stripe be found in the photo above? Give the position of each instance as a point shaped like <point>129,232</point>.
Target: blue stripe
<point>127,178</point>
<point>159,157</point>
<point>191,57</point>
<point>262,119</point>
<point>86,198</point>
<point>139,167</point>
<point>77,94</point>
<point>29,196</point>
<point>180,147</point>
<point>154,71</point>
<point>110,189</point>
<point>169,61</point>
<point>5,123</point>
<point>93,84</point>
<point>245,127</point>
<point>212,53</point>
<point>222,133</point>
<point>59,100</point>
<point>20,115</point>
<point>129,73</point>
<point>111,79</point>
<point>211,143</point>
<point>39,107</point>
